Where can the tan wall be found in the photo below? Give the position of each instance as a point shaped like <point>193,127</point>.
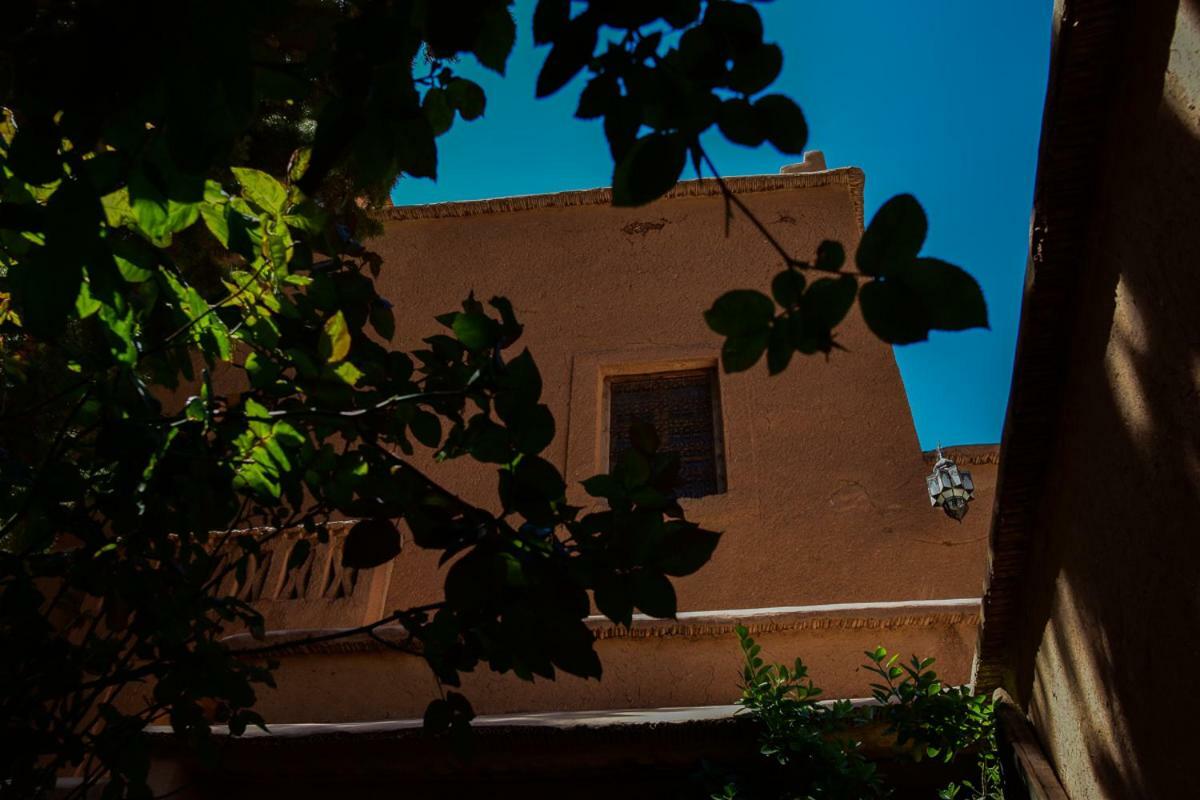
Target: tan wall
<point>1106,660</point>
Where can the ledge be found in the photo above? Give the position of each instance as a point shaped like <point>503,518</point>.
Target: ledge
<point>966,454</point>
<point>850,177</point>
<point>688,624</point>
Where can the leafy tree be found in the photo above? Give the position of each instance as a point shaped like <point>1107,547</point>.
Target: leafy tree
<point>184,192</point>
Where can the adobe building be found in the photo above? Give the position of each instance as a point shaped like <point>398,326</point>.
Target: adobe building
<point>815,477</point>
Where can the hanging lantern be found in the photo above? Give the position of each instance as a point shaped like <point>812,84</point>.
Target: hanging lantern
<point>949,487</point>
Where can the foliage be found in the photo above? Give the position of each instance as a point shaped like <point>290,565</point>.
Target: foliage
<point>814,749</point>
<point>196,356</point>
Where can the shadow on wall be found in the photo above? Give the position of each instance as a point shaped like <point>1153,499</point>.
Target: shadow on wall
<point>1109,658</point>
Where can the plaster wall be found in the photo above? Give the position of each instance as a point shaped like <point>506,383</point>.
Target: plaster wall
<point>825,496</point>
<point>1105,660</point>
<point>825,499</point>
<point>692,662</point>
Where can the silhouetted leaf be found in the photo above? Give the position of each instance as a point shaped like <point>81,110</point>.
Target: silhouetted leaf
<point>654,594</point>
<point>830,256</point>
<point>787,287</point>
<point>740,123</point>
<point>755,69</point>
<point>686,548</point>
<point>467,97</point>
<point>571,52</point>
<point>783,123</point>
<point>497,35</point>
<point>549,18</point>
<point>369,543</point>
<point>644,437</point>
<point>740,353</point>
<point>893,238</point>
<point>779,349</point>
<point>649,170</point>
<point>740,312</point>
<point>952,298</point>
<point>829,299</point>
<point>614,598</point>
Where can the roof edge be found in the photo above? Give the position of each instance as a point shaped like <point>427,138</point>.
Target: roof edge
<point>852,178</point>
<point>687,624</point>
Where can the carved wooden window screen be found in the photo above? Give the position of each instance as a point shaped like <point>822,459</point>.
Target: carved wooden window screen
<point>684,408</point>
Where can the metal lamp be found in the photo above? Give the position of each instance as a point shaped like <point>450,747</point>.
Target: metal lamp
<point>949,487</point>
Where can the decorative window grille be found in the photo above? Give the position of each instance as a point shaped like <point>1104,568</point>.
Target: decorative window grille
<point>684,408</point>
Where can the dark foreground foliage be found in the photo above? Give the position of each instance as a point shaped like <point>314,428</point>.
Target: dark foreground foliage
<point>185,190</point>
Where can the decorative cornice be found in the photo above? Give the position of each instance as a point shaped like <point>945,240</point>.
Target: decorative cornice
<point>850,177</point>
<point>966,454</point>
<point>687,625</point>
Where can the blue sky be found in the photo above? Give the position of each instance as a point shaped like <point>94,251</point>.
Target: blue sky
<point>940,98</point>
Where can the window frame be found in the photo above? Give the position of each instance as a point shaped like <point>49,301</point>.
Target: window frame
<point>708,370</point>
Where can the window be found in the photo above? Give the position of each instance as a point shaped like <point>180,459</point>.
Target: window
<point>683,407</point>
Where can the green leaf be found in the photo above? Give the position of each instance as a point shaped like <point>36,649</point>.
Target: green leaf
<point>261,189</point>
<point>85,303</point>
<point>334,344</point>
<point>474,330</point>
<point>571,52</point>
<point>134,264</point>
<point>783,122</point>
<point>894,237</point>
<point>649,170</point>
<point>369,543</point>
<point>347,373</point>
<point>149,205</point>
<point>742,312</point>
<point>262,371</point>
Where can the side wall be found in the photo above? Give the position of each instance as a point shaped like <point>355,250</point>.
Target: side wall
<point>1105,658</point>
